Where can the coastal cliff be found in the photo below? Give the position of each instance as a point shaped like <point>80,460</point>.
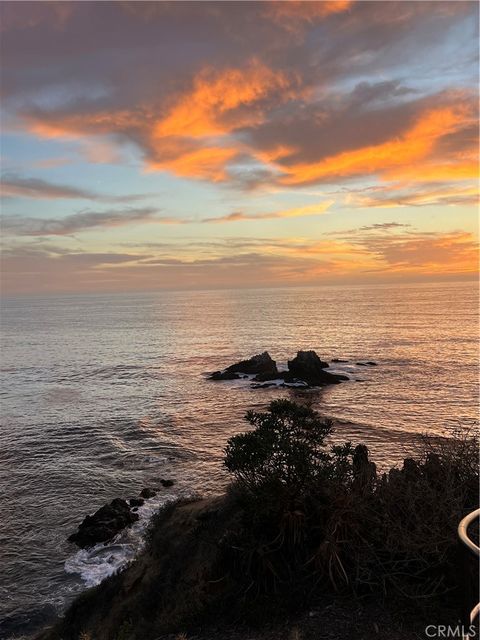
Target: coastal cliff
<point>306,537</point>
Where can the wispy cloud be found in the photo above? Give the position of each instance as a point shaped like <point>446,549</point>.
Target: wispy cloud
<point>296,212</point>
<point>12,185</point>
<point>87,220</point>
<point>82,221</point>
<point>361,255</point>
<point>415,195</point>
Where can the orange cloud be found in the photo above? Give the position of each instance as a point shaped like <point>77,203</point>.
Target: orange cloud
<point>392,156</point>
<point>75,125</point>
<point>191,138</point>
<point>398,251</point>
<point>292,13</point>
<point>201,112</point>
<point>218,103</point>
<point>408,194</point>
<point>205,162</point>
<point>296,212</point>
<point>196,136</point>
<point>435,171</point>
<point>450,253</point>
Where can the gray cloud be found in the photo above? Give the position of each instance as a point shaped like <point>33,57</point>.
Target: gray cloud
<point>82,221</point>
<point>12,185</point>
<point>86,220</point>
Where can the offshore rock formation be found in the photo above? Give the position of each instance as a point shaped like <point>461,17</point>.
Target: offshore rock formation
<point>306,369</point>
<point>262,365</point>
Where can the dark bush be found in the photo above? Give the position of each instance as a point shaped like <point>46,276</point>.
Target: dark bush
<point>286,447</point>
<point>318,519</point>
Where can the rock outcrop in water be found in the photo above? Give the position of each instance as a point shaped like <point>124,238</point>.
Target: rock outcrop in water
<point>262,365</point>
<point>148,493</point>
<point>136,502</point>
<point>104,524</point>
<point>110,519</point>
<point>306,369</point>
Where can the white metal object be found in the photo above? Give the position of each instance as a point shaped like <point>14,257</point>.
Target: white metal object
<point>471,546</point>
<point>463,531</point>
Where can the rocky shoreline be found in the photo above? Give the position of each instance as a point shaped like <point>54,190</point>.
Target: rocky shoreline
<point>217,568</point>
<point>112,518</point>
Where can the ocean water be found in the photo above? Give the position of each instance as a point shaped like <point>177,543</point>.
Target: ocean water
<point>105,394</point>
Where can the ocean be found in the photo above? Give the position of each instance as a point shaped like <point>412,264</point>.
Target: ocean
<point>103,395</point>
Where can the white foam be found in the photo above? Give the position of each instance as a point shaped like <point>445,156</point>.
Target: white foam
<point>300,383</point>
<point>103,560</point>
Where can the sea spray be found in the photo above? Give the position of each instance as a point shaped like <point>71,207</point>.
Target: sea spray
<point>105,559</point>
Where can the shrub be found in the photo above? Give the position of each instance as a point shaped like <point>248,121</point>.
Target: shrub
<point>286,448</point>
<point>317,519</point>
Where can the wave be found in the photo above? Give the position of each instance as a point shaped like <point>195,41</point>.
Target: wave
<point>103,560</point>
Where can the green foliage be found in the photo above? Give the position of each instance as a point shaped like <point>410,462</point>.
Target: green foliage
<point>286,448</point>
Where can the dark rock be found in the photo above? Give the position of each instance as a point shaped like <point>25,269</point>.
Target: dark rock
<point>369,363</point>
<point>147,493</point>
<point>361,364</point>
<point>104,524</point>
<point>433,469</point>
<point>364,471</point>
<point>262,365</point>
<point>411,469</point>
<point>265,377</point>
<point>308,367</point>
<point>224,375</point>
<point>259,364</point>
<point>136,502</point>
<point>119,503</point>
<point>167,483</point>
<point>338,360</point>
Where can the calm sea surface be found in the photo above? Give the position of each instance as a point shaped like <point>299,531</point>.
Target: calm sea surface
<point>103,395</point>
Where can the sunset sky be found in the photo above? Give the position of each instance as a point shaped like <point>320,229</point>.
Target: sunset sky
<point>202,145</point>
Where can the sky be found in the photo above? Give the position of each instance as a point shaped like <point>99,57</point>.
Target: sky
<point>196,145</point>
